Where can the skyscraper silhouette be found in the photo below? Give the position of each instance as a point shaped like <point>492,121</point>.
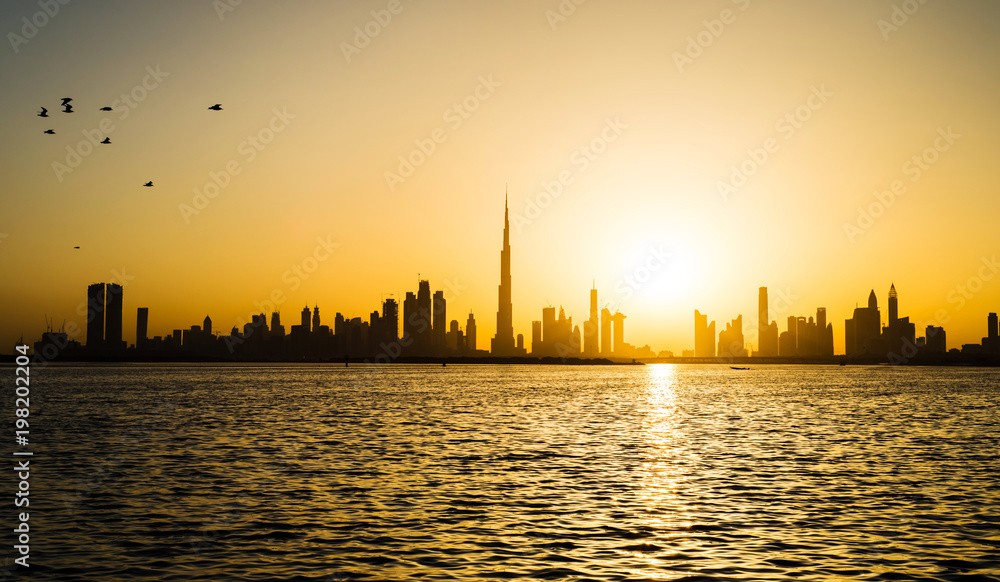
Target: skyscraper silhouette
<point>537,347</point>
<point>440,317</point>
<point>591,333</point>
<point>704,336</point>
<point>141,326</point>
<point>470,333</point>
<point>936,340</point>
<point>305,319</point>
<point>423,330</point>
<point>731,339</point>
<point>606,332</point>
<point>825,333</point>
<point>503,343</point>
<point>991,343</point>
<point>893,305</point>
<point>276,328</point>
<point>409,318</point>
<point>619,321</point>
<point>113,307</point>
<point>899,335</point>
<point>104,318</point>
<point>861,332</point>
<point>767,332</point>
<point>390,320</point>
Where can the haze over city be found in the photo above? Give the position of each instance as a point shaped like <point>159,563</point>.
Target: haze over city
<point>675,156</point>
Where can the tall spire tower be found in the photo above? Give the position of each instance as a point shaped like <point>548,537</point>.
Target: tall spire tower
<point>503,342</point>
<point>893,305</point>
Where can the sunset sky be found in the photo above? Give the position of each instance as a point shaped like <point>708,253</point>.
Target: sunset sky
<point>636,113</point>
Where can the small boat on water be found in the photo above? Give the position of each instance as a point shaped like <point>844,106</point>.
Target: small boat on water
<point>737,368</point>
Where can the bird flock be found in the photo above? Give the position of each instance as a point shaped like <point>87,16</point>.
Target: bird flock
<point>67,108</point>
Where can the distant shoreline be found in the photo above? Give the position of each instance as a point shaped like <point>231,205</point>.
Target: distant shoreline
<point>743,362</point>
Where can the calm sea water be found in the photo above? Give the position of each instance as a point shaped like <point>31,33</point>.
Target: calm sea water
<point>511,472</point>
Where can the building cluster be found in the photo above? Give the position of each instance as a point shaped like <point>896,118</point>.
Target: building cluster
<point>603,335</point>
<point>424,334</point>
<point>897,340</point>
<point>864,334</point>
<point>803,337</point>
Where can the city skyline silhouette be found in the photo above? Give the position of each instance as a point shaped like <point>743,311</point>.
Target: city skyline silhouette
<point>422,330</point>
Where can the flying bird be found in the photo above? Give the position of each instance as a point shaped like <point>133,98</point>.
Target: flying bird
<point>148,184</point>
<point>67,108</point>
<point>216,107</point>
<point>106,140</point>
<point>44,113</point>
<point>66,100</point>
<point>76,247</point>
<point>105,109</point>
<point>49,131</point>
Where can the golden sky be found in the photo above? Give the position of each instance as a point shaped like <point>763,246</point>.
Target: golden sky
<point>639,115</point>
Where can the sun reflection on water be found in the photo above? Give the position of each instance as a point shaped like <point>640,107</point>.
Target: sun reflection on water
<point>666,469</point>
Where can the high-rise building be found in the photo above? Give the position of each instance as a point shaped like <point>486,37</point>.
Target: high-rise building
<point>591,332</point>
<point>390,320</point>
<point>788,343</point>
<point>807,337</point>
<point>470,333</point>
<point>619,333</point>
<point>767,331</point>
<point>503,343</point>
<point>861,332</point>
<point>899,335</point>
<point>991,343</point>
<point>537,346</point>
<point>824,333</point>
<point>704,336</point>
<point>606,332</point>
<point>731,339</point>
<point>305,319</point>
<point>113,308</point>
<point>409,318</point>
<point>276,328</point>
<point>423,325</point>
<point>548,325</point>
<point>893,305</point>
<point>451,337</point>
<point>440,317</point>
<point>141,327</point>
<point>207,326</point>
<point>104,317</point>
<point>315,318</point>
<point>935,340</point>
